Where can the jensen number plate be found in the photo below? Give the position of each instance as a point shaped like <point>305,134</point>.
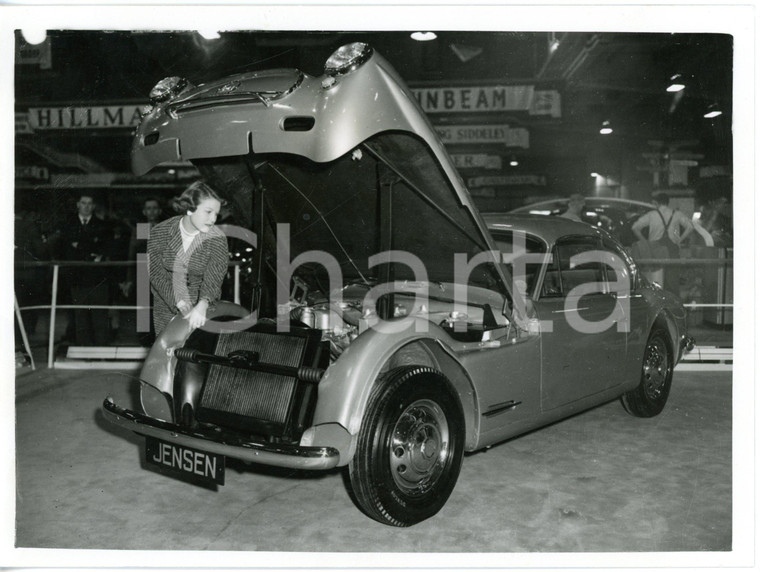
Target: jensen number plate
<point>202,465</point>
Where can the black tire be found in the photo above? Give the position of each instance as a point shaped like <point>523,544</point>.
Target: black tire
<point>649,398</point>
<point>410,447</point>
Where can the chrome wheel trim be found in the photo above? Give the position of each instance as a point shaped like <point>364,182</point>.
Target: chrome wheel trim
<point>656,368</point>
<point>419,447</point>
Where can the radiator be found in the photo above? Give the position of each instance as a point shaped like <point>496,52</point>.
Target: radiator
<point>261,402</point>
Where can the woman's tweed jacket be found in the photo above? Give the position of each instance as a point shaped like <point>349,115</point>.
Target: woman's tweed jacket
<point>178,275</point>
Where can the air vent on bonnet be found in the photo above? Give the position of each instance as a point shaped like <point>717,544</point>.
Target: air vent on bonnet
<point>261,402</point>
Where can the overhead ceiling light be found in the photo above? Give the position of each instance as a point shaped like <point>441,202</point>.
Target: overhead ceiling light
<point>34,36</point>
<point>606,129</point>
<point>424,36</point>
<point>595,175</point>
<point>513,162</point>
<point>676,84</point>
<point>553,42</point>
<point>209,34</point>
<point>712,111</point>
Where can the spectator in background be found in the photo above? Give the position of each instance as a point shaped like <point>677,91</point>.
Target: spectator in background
<point>717,220</point>
<point>666,228</point>
<point>118,250</point>
<point>86,238</point>
<point>152,214</point>
<point>574,207</point>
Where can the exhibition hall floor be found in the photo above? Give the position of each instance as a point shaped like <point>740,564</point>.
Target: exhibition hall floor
<point>600,481</point>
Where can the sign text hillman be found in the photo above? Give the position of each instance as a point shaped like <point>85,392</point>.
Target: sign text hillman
<point>97,117</point>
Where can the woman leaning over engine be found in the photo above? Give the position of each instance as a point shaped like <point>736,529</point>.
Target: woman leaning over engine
<point>188,258</point>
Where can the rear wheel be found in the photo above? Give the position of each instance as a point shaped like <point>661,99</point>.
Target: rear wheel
<point>649,398</point>
<point>410,447</point>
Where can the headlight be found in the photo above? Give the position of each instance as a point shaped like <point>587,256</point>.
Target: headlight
<point>167,88</point>
<point>347,58</point>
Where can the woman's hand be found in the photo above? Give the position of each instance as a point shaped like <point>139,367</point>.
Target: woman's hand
<point>184,308</point>
<point>197,316</point>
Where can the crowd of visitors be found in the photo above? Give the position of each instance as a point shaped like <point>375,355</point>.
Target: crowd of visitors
<point>88,234</point>
<point>91,235</point>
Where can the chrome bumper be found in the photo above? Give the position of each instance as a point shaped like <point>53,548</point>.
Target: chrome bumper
<point>279,455</point>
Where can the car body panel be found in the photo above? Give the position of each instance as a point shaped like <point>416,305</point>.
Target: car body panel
<point>239,128</point>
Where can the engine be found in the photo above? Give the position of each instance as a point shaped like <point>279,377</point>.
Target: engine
<point>340,324</point>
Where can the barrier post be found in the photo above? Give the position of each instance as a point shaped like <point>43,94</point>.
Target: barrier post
<point>53,302</point>
<point>21,327</point>
<point>236,295</point>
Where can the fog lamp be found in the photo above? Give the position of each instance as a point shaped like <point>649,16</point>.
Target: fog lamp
<point>348,58</point>
<point>167,88</point>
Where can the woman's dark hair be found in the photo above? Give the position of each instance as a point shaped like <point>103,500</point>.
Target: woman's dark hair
<point>194,195</point>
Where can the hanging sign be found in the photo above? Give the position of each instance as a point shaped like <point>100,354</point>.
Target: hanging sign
<point>511,137</point>
<point>32,172</point>
<point>489,98</point>
<point>506,181</point>
<point>96,117</point>
<point>38,54</point>
<point>476,161</point>
<point>484,193</point>
<point>22,123</point>
<point>82,179</point>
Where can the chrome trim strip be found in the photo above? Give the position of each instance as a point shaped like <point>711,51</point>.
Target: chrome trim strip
<point>179,106</point>
<point>279,455</point>
<point>501,408</point>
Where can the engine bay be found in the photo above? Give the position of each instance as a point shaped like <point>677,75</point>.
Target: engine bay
<point>356,310</point>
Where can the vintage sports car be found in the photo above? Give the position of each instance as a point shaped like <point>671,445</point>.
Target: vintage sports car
<point>392,328</point>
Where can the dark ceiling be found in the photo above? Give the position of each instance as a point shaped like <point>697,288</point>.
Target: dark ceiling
<point>615,77</point>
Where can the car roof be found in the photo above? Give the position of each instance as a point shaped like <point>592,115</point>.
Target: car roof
<point>622,203</point>
<point>549,228</point>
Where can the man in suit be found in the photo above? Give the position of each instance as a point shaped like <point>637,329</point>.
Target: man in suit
<point>84,237</point>
<point>153,214</point>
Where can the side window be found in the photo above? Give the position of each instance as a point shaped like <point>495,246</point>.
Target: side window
<point>524,270</point>
<point>562,276</point>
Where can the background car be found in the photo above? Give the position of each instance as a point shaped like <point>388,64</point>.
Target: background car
<point>613,215</point>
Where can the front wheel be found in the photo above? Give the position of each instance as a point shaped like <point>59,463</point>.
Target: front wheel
<point>649,398</point>
<point>409,448</point>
